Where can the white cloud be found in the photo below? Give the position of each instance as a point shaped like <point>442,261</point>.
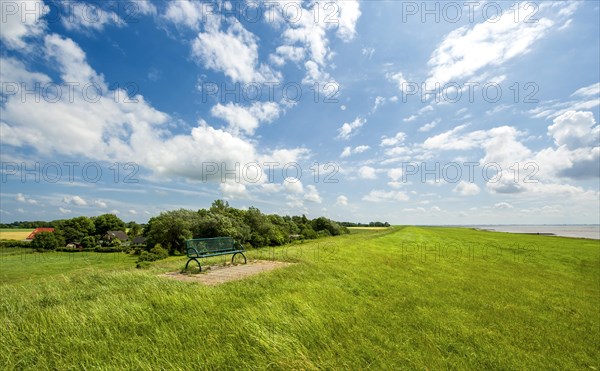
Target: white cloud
<point>346,130</point>
<point>88,16</point>
<point>293,185</point>
<point>342,200</point>
<point>588,91</point>
<point>367,172</point>
<point>100,204</point>
<point>132,212</point>
<point>368,52</point>
<point>392,141</point>
<point>503,205</point>
<point>235,53</point>
<point>395,174</point>
<point>64,211</point>
<point>467,50</point>
<point>429,126</point>
<point>466,188</point>
<point>398,78</point>
<point>246,119</point>
<point>286,53</point>
<point>348,151</point>
<point>312,194</point>
<point>410,118</point>
<point>21,198</point>
<point>575,129</point>
<point>22,20</point>
<point>381,196</point>
<point>231,189</point>
<point>349,13</point>
<point>379,101</point>
<point>185,12</point>
<point>74,200</point>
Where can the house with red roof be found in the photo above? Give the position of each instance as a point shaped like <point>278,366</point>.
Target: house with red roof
<point>38,230</point>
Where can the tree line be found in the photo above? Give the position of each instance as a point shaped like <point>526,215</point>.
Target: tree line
<point>170,229</point>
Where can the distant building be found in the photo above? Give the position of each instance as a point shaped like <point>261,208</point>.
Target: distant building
<point>39,230</point>
<point>139,240</point>
<point>122,236</point>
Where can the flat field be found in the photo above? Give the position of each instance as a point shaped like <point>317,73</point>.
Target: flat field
<point>399,298</point>
<point>14,233</point>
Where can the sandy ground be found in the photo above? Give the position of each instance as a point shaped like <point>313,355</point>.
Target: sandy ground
<point>218,274</point>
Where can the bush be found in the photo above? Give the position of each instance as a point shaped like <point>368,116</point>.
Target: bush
<point>157,253</point>
<point>44,241</point>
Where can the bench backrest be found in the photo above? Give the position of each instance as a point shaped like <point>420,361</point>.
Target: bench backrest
<point>202,246</point>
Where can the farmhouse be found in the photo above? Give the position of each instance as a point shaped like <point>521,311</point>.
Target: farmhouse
<point>38,230</point>
<point>110,235</point>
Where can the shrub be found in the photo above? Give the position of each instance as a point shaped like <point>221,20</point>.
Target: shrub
<point>44,241</point>
<point>157,253</point>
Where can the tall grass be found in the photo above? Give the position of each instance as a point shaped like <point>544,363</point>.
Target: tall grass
<point>399,298</point>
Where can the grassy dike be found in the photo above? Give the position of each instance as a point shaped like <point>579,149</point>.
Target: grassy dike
<point>406,297</point>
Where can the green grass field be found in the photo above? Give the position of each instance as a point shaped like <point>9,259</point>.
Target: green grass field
<point>400,298</point>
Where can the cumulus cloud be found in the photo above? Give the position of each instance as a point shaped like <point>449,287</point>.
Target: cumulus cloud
<point>349,129</point>
<point>342,200</point>
<point>78,16</point>
<point>233,52</point>
<point>392,141</point>
<point>575,130</point>
<point>246,119</point>
<point>348,151</point>
<point>312,194</point>
<point>74,200</point>
<point>111,129</point>
<point>464,188</point>
<point>503,205</point>
<point>367,172</point>
<point>22,20</point>
<point>100,204</point>
<point>64,211</point>
<point>467,50</point>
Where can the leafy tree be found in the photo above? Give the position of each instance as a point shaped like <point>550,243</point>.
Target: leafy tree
<point>88,242</point>
<point>171,229</point>
<point>134,230</point>
<point>44,240</point>
<point>108,222</point>
<point>74,230</point>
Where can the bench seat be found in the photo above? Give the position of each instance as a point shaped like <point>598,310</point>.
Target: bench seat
<point>206,247</point>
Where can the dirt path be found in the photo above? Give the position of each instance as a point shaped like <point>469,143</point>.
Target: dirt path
<point>218,274</point>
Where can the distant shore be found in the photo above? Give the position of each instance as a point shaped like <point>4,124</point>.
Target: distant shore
<point>590,231</point>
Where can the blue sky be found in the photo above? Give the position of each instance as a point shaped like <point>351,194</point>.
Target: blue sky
<point>478,113</point>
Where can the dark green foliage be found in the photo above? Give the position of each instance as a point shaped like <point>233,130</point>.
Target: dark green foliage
<point>12,243</point>
<point>44,241</point>
<point>88,242</point>
<point>108,222</point>
<point>251,226</point>
<point>74,230</point>
<point>156,253</point>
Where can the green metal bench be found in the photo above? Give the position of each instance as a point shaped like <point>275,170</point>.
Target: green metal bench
<point>206,247</point>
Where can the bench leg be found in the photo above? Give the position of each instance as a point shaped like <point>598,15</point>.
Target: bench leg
<point>193,259</point>
<point>241,253</point>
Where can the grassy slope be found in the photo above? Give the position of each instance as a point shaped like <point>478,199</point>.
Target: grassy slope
<point>369,299</point>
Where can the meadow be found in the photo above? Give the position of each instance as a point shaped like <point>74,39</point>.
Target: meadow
<point>399,298</point>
